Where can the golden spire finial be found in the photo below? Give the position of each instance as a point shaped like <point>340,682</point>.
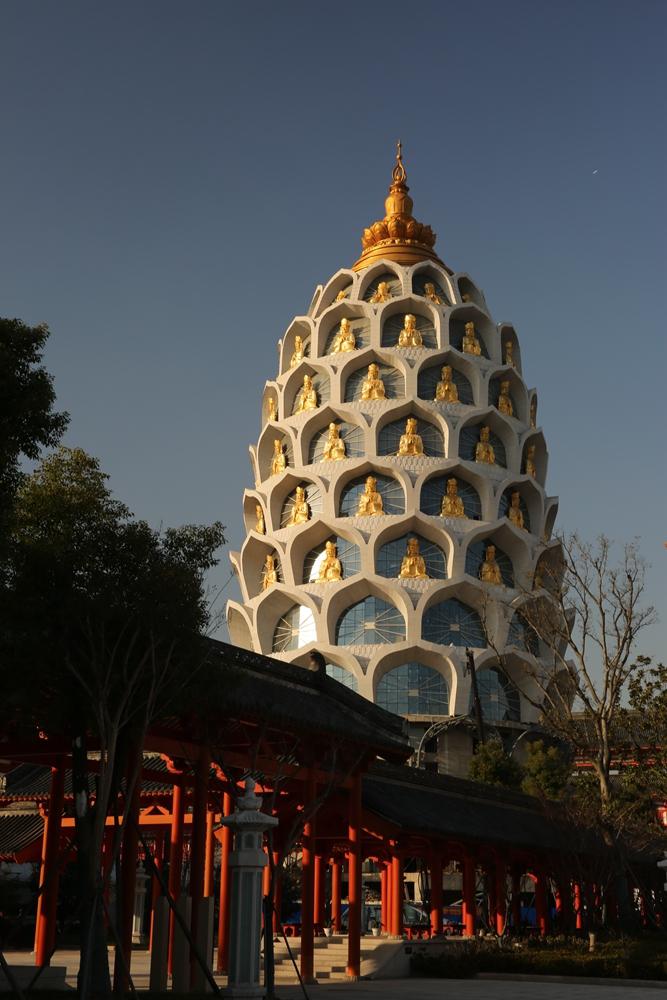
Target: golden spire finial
<point>398,236</point>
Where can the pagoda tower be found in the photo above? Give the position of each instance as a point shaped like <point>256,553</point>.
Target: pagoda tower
<point>399,514</point>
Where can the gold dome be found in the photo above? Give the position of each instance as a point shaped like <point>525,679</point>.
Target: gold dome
<point>398,236</point>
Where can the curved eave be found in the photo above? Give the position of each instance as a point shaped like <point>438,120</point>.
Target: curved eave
<point>400,251</point>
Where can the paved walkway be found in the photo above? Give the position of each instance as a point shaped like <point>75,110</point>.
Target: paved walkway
<point>472,989</point>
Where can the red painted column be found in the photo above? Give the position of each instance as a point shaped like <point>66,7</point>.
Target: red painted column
<point>578,911</point>
<point>155,883</point>
<point>335,896</point>
<point>516,900</point>
<point>225,888</point>
<point>209,871</point>
<point>384,894</point>
<point>47,902</point>
<point>396,916</point>
<point>354,880</point>
<point>307,880</point>
<point>318,892</point>
<point>500,896</point>
<point>175,854</point>
<point>469,907</point>
<point>128,878</point>
<point>541,905</point>
<point>436,894</point>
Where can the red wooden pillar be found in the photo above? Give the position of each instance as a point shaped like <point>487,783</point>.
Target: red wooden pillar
<point>307,880</point>
<point>396,916</point>
<point>155,882</point>
<point>335,896</point>
<point>469,906</point>
<point>209,864</point>
<point>318,892</point>
<point>47,903</point>
<point>541,903</point>
<point>128,878</point>
<point>578,911</point>
<point>516,900</point>
<point>354,880</point>
<point>225,888</point>
<point>175,854</point>
<point>436,894</point>
<point>384,895</point>
<point>500,894</point>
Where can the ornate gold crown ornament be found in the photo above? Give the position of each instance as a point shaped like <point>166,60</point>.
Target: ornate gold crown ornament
<point>398,236</point>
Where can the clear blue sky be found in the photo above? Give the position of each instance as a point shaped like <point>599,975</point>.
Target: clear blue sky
<point>178,177</point>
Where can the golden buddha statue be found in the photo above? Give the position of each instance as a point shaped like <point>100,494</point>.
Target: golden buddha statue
<point>452,504</point>
<point>533,411</point>
<point>279,460</point>
<point>343,293</point>
<point>330,568</point>
<point>344,340</point>
<point>300,509</point>
<point>471,344</point>
<point>269,573</point>
<point>505,404</point>
<point>466,297</point>
<point>410,335</point>
<point>514,511</point>
<point>446,391</point>
<point>373,387</point>
<point>430,293</point>
<point>299,352</point>
<point>370,501</point>
<point>260,527</point>
<point>509,354</point>
<point>489,571</point>
<point>334,448</point>
<point>530,469</point>
<point>381,294</point>
<point>272,413</point>
<point>484,449</point>
<point>413,566</point>
<point>411,442</point>
<point>307,396</point>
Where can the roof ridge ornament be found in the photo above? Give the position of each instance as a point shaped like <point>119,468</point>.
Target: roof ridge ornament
<point>398,236</point>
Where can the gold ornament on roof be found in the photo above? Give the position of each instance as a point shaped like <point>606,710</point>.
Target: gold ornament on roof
<point>398,236</point>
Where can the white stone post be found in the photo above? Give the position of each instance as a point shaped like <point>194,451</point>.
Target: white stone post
<point>246,863</point>
<point>138,935</point>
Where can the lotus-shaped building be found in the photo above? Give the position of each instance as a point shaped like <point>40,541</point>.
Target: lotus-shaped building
<point>398,515</point>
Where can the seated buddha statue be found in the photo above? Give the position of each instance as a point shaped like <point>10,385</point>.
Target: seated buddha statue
<point>300,508</point>
<point>466,297</point>
<point>381,294</point>
<point>530,468</point>
<point>489,571</point>
<point>533,411</point>
<point>509,354</point>
<point>471,344</point>
<point>344,340</point>
<point>298,353</point>
<point>330,567</point>
<point>410,335</point>
<point>514,511</point>
<point>260,527</point>
<point>307,396</point>
<point>411,442</point>
<point>446,390</point>
<point>269,573</point>
<point>373,387</point>
<point>505,404</point>
<point>343,293</point>
<point>272,412</point>
<point>279,459</point>
<point>413,566</point>
<point>430,293</point>
<point>452,504</point>
<point>484,449</point>
<point>370,501</point>
<point>334,447</point>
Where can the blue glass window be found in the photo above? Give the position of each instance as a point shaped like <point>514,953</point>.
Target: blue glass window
<point>476,554</point>
<point>352,436</point>
<point>452,623</point>
<point>393,500</point>
<point>429,378</point>
<point>390,436</point>
<point>434,490</point>
<point>468,439</point>
<point>392,327</point>
<point>390,557</point>
<point>498,696</point>
<point>505,502</point>
<point>347,552</point>
<point>342,676</point>
<point>522,636</point>
<point>296,628</point>
<point>394,383</point>
<point>370,621</point>
<point>413,689</point>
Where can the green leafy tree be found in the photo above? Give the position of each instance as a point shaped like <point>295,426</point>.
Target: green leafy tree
<point>102,631</point>
<point>492,765</point>
<point>546,770</point>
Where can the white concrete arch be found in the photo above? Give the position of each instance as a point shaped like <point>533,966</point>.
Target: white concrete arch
<point>271,392</point>
<point>417,306</point>
<point>264,452</point>
<point>485,330</point>
<point>518,392</point>
<point>551,505</point>
<point>359,361</point>
<point>506,332</point>
<point>549,568</point>
<point>466,472</point>
<point>541,460</point>
<point>501,427</point>
<point>343,279</point>
<point>239,625</point>
<point>508,541</point>
<point>532,497</point>
<point>252,499</point>
<point>371,274</point>
<point>273,605</point>
<point>413,408</point>
<point>459,363</point>
<point>346,595</point>
<point>428,269</point>
<point>253,555</point>
<point>317,421</point>
<point>362,319</point>
<point>321,375</point>
<point>467,287</point>
<point>369,467</point>
<point>385,662</point>
<point>286,486</point>
<point>336,656</point>
<point>303,327</point>
<point>316,533</point>
<point>419,525</point>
